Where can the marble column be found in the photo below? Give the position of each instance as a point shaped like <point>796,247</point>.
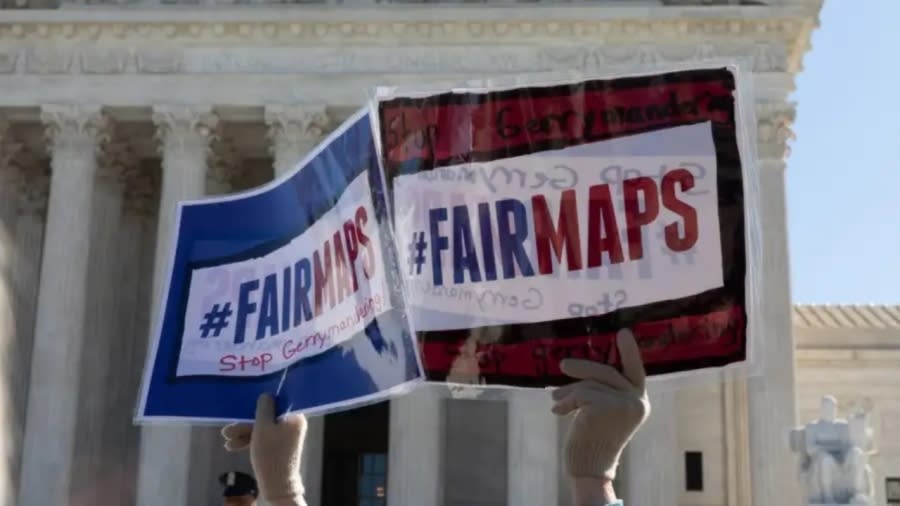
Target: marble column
<point>31,211</point>
<point>104,419</point>
<point>653,467</point>
<point>534,458</point>
<point>134,270</point>
<point>75,134</point>
<point>208,456</point>
<point>737,443</point>
<point>293,131</point>
<point>771,401</point>
<point>140,207</point>
<point>185,134</point>
<point>416,444</point>
<point>11,181</point>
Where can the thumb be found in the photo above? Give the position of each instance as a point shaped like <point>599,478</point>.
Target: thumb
<point>265,410</point>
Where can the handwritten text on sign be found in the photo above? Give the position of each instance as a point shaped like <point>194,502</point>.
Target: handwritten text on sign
<point>262,314</point>
<point>568,241</point>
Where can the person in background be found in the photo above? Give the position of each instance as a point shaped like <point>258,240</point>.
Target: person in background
<point>240,489</point>
<point>608,408</point>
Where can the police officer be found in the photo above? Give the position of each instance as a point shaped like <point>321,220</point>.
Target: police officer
<point>240,489</point>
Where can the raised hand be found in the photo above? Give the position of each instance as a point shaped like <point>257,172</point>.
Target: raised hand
<point>609,408</point>
<point>275,451</point>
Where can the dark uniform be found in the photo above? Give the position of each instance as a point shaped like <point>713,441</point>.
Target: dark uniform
<point>238,484</point>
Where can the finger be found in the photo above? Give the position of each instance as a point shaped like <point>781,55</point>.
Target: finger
<point>587,395</point>
<point>565,405</point>
<point>295,420</point>
<point>632,363</point>
<point>564,391</point>
<point>590,370</point>
<point>265,410</point>
<point>237,430</point>
<point>236,445</point>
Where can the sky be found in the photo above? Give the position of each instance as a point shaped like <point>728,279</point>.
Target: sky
<point>843,173</point>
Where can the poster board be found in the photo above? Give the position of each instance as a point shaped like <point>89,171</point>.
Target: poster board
<point>533,221</point>
<point>289,289</point>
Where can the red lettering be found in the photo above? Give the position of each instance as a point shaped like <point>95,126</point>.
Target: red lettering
<point>635,218</point>
<point>361,219</point>
<point>603,232</point>
<point>564,236</point>
<point>264,359</point>
<point>685,181</point>
<point>352,251</point>
<point>323,278</point>
<point>287,349</point>
<point>226,363</point>
<point>342,274</point>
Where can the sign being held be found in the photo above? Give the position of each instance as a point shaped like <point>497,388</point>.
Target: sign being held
<point>532,223</point>
<point>285,290</point>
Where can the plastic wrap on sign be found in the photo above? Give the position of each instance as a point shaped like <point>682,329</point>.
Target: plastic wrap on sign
<point>534,221</point>
<point>289,289</point>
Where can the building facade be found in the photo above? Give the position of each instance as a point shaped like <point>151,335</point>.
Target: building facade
<point>111,112</point>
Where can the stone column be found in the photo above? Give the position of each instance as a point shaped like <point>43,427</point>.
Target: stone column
<point>771,401</point>
<point>11,180</point>
<point>140,207</point>
<point>416,443</point>
<point>208,456</point>
<point>185,134</point>
<point>653,467</point>
<point>737,447</point>
<point>31,211</point>
<point>533,462</point>
<point>293,131</point>
<point>75,134</point>
<point>103,420</point>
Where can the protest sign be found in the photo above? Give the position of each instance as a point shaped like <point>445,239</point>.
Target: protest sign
<point>533,222</point>
<point>286,289</point>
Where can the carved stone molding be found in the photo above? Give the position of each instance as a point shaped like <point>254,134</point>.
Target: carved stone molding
<point>498,57</point>
<point>482,24</point>
<point>774,132</point>
<point>294,129</point>
<point>79,130</point>
<point>306,123</point>
<point>185,127</point>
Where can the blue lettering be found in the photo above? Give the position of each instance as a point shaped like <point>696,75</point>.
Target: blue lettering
<point>268,314</point>
<point>286,301</point>
<point>511,241</point>
<point>487,241</point>
<point>464,256</point>
<point>438,243</point>
<point>245,307</point>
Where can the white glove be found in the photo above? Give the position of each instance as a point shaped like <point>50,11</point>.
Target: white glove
<point>275,450</point>
<point>609,408</point>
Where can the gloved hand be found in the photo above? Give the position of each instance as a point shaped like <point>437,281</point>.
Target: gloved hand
<point>275,450</point>
<point>609,408</point>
